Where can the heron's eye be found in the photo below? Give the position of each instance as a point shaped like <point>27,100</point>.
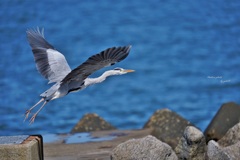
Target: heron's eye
<point>117,69</point>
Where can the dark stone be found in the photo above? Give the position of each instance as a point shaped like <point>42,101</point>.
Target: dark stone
<point>144,148</point>
<point>91,122</point>
<point>231,137</point>
<point>167,126</point>
<point>227,116</point>
<point>192,145</point>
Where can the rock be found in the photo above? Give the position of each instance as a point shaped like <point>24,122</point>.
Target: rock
<point>192,145</point>
<point>215,152</point>
<point>147,148</point>
<point>231,137</point>
<point>233,151</point>
<point>167,126</point>
<point>227,116</point>
<point>91,122</point>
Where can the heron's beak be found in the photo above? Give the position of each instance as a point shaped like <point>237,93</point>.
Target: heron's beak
<point>129,70</point>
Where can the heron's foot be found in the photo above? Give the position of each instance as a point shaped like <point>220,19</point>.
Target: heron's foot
<point>32,119</point>
<point>27,114</point>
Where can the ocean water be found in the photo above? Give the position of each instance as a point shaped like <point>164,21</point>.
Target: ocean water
<point>186,55</point>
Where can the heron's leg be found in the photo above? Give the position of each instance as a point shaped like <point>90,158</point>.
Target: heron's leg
<point>29,110</point>
<point>35,114</point>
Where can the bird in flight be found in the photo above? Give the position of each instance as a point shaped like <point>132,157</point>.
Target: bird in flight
<point>53,66</point>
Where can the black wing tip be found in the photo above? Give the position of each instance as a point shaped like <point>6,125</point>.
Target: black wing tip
<point>124,52</point>
<point>35,31</point>
<point>128,48</point>
<point>124,49</point>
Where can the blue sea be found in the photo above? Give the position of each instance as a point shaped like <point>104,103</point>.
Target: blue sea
<point>186,55</point>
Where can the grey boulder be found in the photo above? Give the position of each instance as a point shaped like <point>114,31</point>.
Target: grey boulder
<point>231,137</point>
<point>147,148</point>
<point>192,145</point>
<point>216,152</point>
<point>167,126</point>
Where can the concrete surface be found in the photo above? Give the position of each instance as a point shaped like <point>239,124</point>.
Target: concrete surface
<point>21,148</point>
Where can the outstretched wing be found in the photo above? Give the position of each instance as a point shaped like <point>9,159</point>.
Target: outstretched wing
<point>106,58</point>
<point>50,63</point>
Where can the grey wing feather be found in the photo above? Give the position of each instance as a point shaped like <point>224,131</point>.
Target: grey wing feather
<point>106,58</point>
<point>50,63</point>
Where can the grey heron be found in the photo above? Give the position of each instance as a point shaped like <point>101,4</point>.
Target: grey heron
<point>53,66</point>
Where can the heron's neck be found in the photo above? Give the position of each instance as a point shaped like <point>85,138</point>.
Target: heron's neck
<point>91,81</point>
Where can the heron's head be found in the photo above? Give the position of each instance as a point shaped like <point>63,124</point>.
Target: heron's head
<point>120,71</point>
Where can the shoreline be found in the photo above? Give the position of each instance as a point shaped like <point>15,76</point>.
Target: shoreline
<point>94,138</point>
